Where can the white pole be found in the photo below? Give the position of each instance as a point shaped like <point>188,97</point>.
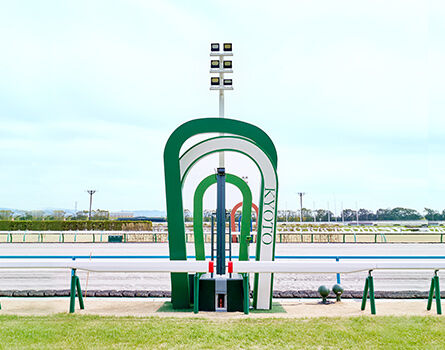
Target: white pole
<point>221,108</point>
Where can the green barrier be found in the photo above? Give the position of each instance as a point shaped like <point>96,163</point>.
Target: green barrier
<point>369,286</point>
<point>75,284</point>
<point>435,292</point>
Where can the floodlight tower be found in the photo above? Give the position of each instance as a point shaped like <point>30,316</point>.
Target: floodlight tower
<point>301,194</point>
<point>90,192</point>
<point>221,66</point>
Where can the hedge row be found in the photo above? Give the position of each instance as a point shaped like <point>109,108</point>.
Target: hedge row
<point>75,225</point>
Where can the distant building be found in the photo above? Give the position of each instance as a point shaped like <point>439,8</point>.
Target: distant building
<point>121,215</point>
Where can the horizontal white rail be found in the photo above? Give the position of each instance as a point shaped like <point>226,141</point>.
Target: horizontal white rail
<point>301,232</point>
<point>111,265</point>
<point>143,265</point>
<point>332,267</point>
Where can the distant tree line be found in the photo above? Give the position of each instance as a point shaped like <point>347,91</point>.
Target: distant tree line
<point>54,215</point>
<point>394,214</point>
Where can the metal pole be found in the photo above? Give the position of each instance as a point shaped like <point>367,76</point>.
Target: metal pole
<point>221,108</point>
<point>90,192</point>
<point>301,194</point>
<point>221,222</point>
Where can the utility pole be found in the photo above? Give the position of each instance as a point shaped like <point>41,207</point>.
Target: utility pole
<point>356,212</point>
<point>90,192</point>
<point>301,194</point>
<point>329,213</point>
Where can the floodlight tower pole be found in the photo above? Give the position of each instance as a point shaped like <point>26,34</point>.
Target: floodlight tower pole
<point>301,194</point>
<point>90,192</point>
<point>219,83</point>
<point>221,112</point>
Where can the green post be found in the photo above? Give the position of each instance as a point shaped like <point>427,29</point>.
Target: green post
<point>375,238</point>
<point>369,286</point>
<point>196,293</point>
<point>94,238</point>
<point>79,293</point>
<point>365,294</point>
<point>371,293</point>
<point>430,295</point>
<point>434,292</point>
<point>73,291</point>
<point>246,293</point>
<point>436,286</point>
<point>344,240</point>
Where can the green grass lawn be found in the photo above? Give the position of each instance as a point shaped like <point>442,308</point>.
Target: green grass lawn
<point>95,332</point>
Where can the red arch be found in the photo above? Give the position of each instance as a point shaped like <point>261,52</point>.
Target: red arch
<point>235,208</point>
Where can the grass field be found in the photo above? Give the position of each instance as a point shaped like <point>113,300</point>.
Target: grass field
<point>95,332</point>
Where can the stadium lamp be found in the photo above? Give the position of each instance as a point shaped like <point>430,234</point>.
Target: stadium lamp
<point>214,64</point>
<point>228,47</point>
<point>227,82</point>
<point>214,81</point>
<point>214,47</point>
<point>227,64</point>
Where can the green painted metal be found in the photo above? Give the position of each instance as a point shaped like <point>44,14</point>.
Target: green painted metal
<point>75,285</point>
<point>259,230</point>
<point>73,291</point>
<point>371,294</point>
<point>369,287</point>
<point>173,186</point>
<point>430,295</point>
<point>434,292</point>
<point>246,293</point>
<point>437,293</point>
<point>79,293</point>
<point>198,212</point>
<point>196,278</point>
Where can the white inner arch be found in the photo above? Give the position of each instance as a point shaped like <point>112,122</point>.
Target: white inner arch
<point>269,182</point>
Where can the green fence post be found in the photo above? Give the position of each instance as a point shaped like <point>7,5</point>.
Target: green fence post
<point>246,293</point>
<point>196,293</point>
<point>94,238</point>
<point>365,294</point>
<point>344,239</point>
<point>375,238</point>
<point>371,293</point>
<point>430,295</point>
<point>437,292</point>
<point>73,290</point>
<point>79,293</point>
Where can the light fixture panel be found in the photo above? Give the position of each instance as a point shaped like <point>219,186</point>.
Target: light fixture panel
<point>228,47</point>
<point>227,64</point>
<point>214,64</point>
<point>214,81</point>
<point>227,82</point>
<point>214,47</point>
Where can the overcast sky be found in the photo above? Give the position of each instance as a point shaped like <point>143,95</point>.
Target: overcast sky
<point>351,93</point>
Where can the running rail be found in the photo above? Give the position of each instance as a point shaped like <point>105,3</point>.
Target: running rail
<point>141,265</point>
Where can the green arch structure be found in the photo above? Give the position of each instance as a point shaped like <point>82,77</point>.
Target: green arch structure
<point>198,212</point>
<point>173,187</point>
